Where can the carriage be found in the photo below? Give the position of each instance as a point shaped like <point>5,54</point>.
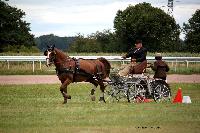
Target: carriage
<point>136,88</point>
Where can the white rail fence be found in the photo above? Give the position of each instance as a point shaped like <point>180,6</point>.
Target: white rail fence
<point>40,59</point>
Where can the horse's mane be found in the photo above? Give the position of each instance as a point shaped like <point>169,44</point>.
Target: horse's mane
<point>61,54</point>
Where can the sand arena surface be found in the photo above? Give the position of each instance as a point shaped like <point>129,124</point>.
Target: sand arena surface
<point>52,79</point>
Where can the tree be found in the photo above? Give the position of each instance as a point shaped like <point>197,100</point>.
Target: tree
<point>85,44</point>
<point>60,42</point>
<point>157,30</point>
<point>14,30</point>
<point>105,41</point>
<point>192,31</point>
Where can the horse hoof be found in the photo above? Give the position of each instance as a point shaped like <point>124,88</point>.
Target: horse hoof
<point>65,101</point>
<point>69,97</point>
<point>102,99</point>
<point>93,98</point>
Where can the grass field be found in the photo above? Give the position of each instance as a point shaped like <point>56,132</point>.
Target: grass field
<point>39,108</point>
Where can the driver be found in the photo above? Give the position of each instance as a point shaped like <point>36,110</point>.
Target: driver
<point>138,60</point>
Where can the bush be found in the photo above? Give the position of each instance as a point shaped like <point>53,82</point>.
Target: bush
<point>22,48</point>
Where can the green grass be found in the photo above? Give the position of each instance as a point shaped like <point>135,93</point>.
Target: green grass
<point>39,108</point>
<point>25,68</point>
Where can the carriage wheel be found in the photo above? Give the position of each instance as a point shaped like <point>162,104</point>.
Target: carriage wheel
<point>161,92</point>
<point>137,92</point>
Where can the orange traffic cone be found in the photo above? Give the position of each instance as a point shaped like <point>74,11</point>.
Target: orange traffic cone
<point>178,98</point>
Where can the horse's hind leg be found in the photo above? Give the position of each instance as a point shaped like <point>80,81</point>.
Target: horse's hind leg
<point>102,88</point>
<point>93,89</point>
<point>63,90</point>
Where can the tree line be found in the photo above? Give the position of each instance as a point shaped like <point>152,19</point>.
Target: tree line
<point>157,30</point>
<point>51,39</point>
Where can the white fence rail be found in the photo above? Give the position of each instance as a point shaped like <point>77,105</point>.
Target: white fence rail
<point>40,59</point>
<point>110,58</point>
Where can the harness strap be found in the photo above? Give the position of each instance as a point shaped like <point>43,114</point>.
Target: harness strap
<point>99,72</point>
<point>76,70</point>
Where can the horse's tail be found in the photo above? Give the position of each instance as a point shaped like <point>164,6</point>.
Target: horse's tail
<point>106,65</point>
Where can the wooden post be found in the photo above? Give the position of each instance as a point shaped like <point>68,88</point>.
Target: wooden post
<point>40,65</point>
<point>187,63</point>
<point>175,65</point>
<point>123,62</point>
<point>8,64</point>
<point>33,66</point>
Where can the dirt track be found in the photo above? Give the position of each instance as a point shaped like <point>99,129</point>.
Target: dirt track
<point>52,79</point>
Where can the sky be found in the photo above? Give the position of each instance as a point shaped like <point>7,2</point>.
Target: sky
<point>70,17</point>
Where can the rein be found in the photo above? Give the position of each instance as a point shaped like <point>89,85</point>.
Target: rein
<point>65,61</point>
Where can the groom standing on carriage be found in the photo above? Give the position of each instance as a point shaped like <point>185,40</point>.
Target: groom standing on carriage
<point>138,60</point>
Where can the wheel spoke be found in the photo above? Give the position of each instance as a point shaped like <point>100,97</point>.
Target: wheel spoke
<point>161,92</point>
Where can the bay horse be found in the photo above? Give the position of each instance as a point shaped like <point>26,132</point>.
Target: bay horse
<point>71,70</point>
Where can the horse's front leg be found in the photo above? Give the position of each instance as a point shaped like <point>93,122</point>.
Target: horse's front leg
<point>63,90</point>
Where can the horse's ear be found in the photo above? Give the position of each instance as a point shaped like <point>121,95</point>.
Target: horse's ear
<point>45,52</point>
<point>53,46</point>
<point>48,46</point>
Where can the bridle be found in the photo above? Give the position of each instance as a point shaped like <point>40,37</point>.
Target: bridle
<point>50,60</point>
<point>53,57</point>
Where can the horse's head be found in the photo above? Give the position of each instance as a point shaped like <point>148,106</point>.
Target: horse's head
<point>51,55</point>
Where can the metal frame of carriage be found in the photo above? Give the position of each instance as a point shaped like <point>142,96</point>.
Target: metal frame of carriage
<point>137,88</point>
